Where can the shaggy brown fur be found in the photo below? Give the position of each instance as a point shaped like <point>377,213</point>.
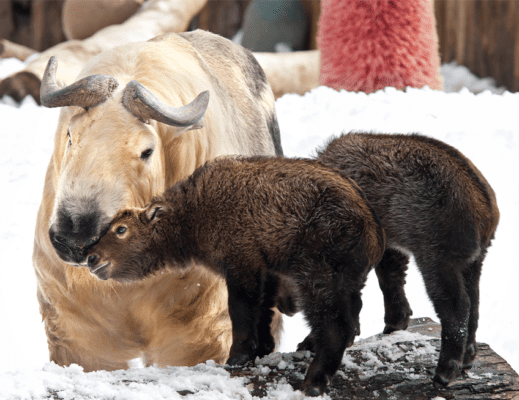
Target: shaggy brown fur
<point>436,205</point>
<point>245,217</point>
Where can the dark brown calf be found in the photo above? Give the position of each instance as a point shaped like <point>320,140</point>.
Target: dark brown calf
<point>436,205</point>
<point>249,219</point>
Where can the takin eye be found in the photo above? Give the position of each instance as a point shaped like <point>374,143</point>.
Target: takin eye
<point>146,154</point>
<point>120,230</point>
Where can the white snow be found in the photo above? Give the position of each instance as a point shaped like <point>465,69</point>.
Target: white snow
<point>485,127</point>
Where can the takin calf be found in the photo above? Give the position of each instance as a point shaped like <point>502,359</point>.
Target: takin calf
<point>436,205</point>
<point>246,218</point>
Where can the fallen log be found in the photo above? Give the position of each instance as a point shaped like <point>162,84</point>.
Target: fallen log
<point>296,72</point>
<point>9,49</point>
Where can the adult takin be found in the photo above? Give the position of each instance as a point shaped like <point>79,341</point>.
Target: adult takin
<point>141,117</point>
<point>244,217</point>
<point>436,205</point>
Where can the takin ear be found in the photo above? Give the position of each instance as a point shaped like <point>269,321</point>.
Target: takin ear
<point>154,212</point>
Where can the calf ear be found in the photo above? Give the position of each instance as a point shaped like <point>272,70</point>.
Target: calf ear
<point>154,212</point>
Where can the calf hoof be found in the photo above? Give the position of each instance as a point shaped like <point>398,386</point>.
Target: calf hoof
<point>470,355</point>
<point>447,373</point>
<point>265,348</point>
<point>315,383</point>
<point>313,391</point>
<point>399,323</point>
<point>307,344</point>
<point>238,359</point>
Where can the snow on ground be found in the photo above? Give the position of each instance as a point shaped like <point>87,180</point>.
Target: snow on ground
<point>485,127</point>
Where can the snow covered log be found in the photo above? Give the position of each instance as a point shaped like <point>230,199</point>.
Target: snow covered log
<point>155,17</point>
<point>396,366</point>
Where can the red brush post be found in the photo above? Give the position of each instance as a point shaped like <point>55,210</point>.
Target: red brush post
<point>367,45</point>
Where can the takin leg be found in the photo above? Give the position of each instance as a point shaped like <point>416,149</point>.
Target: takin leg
<point>266,343</point>
<point>245,294</point>
<point>355,303</point>
<point>333,330</point>
<point>65,352</point>
<point>391,272</point>
<point>446,289</point>
<point>471,278</point>
<point>328,311</point>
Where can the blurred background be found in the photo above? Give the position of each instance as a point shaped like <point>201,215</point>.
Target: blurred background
<point>482,35</point>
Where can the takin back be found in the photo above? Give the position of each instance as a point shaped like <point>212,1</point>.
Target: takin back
<point>244,217</point>
<point>436,205</point>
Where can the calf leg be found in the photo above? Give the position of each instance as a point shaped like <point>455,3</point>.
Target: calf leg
<point>266,343</point>
<point>245,293</point>
<point>355,304</point>
<point>391,272</point>
<point>471,279</point>
<point>328,312</point>
<point>446,289</point>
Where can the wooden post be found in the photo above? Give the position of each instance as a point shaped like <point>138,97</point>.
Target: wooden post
<point>46,24</point>
<point>223,17</point>
<point>482,35</point>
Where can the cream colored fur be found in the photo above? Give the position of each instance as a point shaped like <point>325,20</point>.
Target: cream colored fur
<point>174,318</point>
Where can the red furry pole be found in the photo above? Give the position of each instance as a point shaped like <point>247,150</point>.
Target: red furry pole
<point>367,45</point>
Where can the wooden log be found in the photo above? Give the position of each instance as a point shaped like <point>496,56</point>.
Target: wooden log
<point>9,49</point>
<point>400,370</point>
<point>296,72</point>
<point>383,367</point>
<point>155,17</point>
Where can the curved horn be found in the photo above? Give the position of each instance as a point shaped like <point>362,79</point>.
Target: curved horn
<point>142,104</point>
<point>87,92</point>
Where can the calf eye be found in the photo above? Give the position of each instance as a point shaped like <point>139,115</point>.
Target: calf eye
<point>146,154</point>
<point>120,230</point>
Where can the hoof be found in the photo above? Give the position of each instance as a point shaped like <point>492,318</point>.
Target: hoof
<point>440,381</point>
<point>312,391</point>
<point>398,322</point>
<point>307,344</point>
<point>447,373</point>
<point>238,359</point>
<point>390,329</point>
<point>470,356</point>
<point>265,349</point>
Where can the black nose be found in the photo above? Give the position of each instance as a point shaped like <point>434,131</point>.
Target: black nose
<point>92,260</point>
<point>71,247</point>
